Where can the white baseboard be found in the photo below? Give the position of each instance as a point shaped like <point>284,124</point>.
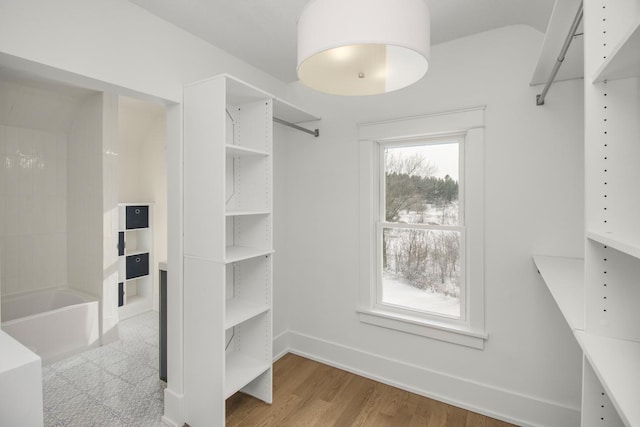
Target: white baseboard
<point>477,397</point>
<point>173,404</point>
<point>280,345</point>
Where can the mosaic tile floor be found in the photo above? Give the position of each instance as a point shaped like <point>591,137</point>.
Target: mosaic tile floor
<point>112,385</point>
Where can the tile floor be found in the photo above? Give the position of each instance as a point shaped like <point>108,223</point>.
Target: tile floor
<point>112,385</point>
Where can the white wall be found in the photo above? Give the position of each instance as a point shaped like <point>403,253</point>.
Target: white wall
<point>92,197</point>
<point>109,150</point>
<point>143,167</point>
<point>530,369</point>
<point>84,192</point>
<point>33,186</point>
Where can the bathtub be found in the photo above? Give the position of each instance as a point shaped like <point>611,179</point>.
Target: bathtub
<point>53,323</point>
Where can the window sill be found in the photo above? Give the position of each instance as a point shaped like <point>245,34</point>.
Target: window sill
<point>417,326</point>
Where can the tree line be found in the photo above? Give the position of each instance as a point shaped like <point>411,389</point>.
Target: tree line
<point>414,193</point>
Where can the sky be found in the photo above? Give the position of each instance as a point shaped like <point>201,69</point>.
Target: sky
<point>444,156</point>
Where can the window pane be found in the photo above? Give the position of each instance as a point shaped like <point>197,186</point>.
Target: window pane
<point>421,270</point>
<point>421,184</point>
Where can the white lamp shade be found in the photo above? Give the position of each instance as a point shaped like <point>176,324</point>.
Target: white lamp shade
<point>363,47</point>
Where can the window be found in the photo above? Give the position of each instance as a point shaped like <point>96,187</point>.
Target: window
<point>422,226</point>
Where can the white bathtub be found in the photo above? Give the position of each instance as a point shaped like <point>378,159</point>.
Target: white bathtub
<point>52,323</point>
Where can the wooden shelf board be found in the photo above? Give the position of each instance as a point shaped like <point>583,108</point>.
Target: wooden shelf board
<point>246,213</point>
<point>617,365</point>
<point>240,253</point>
<point>565,279</point>
<point>624,59</point>
<point>239,310</point>
<point>630,245</point>
<point>238,151</point>
<point>240,370</point>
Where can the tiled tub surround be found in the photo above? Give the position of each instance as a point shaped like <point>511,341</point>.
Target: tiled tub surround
<point>33,209</point>
<point>112,385</point>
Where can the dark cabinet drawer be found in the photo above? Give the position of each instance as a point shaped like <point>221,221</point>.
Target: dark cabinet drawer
<point>137,265</point>
<point>121,243</point>
<point>137,217</point>
<point>120,294</point>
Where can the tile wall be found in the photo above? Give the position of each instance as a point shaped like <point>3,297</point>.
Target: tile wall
<point>33,209</point>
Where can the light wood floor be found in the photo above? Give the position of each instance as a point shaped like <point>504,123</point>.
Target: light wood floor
<point>308,393</point>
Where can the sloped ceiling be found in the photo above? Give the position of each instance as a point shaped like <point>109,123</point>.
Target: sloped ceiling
<point>263,33</point>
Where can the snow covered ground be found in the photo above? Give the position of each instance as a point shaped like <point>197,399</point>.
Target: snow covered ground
<point>394,291</point>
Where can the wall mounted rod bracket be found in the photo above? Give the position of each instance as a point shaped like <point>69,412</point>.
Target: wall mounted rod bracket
<point>315,132</point>
<point>563,52</point>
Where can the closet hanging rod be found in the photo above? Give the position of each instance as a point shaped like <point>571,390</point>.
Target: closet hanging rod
<point>315,132</point>
<point>563,52</point>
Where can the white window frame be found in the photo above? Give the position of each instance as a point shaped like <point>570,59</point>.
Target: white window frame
<point>467,127</point>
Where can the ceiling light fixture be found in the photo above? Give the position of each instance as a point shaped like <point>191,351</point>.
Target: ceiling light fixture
<point>363,47</point>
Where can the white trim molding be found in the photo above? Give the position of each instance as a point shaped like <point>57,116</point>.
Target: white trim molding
<point>417,326</point>
<point>173,408</point>
<point>468,124</point>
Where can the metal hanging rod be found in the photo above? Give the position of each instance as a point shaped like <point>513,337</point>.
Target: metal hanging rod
<point>563,52</point>
<point>315,132</point>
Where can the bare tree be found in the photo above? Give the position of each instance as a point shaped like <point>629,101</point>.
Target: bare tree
<point>402,191</point>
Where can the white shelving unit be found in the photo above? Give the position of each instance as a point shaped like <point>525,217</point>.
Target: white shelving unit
<point>135,260</point>
<point>228,243</point>
<point>608,292</point>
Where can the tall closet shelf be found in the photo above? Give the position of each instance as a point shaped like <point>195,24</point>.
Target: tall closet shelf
<point>241,253</point>
<point>228,182</point>
<point>240,371</point>
<point>621,242</point>
<point>623,61</point>
<point>617,365</point>
<point>238,151</point>
<point>565,279</point>
<point>239,310</point>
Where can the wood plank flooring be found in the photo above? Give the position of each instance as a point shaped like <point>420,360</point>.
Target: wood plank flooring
<point>308,394</point>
